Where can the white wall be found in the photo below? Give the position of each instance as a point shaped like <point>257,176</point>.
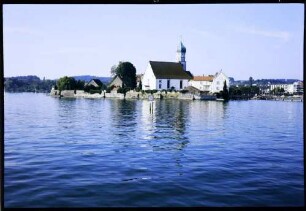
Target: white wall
<point>201,85</point>
<point>148,80</point>
<point>218,82</point>
<point>290,88</point>
<point>173,83</point>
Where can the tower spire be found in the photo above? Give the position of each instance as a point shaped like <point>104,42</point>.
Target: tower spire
<point>180,53</point>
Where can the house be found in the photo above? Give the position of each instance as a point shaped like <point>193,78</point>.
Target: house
<point>203,83</point>
<point>116,82</point>
<point>218,82</point>
<point>94,82</point>
<point>167,75</point>
<point>289,88</point>
<point>210,83</point>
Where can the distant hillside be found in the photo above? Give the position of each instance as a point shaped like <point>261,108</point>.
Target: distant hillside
<point>87,78</point>
<point>29,83</point>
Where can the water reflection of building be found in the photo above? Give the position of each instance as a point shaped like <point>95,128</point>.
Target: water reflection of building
<point>166,126</point>
<point>148,119</point>
<point>207,118</point>
<point>123,116</point>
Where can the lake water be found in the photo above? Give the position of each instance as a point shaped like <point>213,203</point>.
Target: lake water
<point>111,152</point>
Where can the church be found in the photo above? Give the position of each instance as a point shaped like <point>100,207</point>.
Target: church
<point>161,75</point>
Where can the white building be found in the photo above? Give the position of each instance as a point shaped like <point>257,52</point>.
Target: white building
<point>167,75</point>
<point>288,88</point>
<point>210,83</point>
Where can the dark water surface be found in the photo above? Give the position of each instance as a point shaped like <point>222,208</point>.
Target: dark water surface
<point>107,152</point>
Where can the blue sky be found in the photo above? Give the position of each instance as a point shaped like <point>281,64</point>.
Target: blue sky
<point>258,40</point>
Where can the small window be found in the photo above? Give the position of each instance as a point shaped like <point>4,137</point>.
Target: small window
<point>181,84</point>
<point>159,86</point>
<point>168,84</point>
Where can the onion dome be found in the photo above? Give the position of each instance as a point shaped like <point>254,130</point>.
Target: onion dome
<point>181,48</point>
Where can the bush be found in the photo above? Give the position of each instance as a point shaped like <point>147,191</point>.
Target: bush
<point>123,90</point>
<point>164,91</point>
<point>108,89</point>
<point>94,91</point>
<point>184,91</point>
<point>154,91</point>
<point>120,90</point>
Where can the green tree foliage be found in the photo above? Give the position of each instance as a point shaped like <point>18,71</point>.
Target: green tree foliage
<point>113,70</point>
<point>278,91</point>
<point>243,91</point>
<point>69,83</point>
<point>127,72</point>
<point>27,84</point>
<point>225,93</point>
<point>139,87</point>
<point>251,81</point>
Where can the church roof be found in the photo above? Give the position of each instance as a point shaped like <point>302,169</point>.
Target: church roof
<point>203,78</point>
<point>169,70</point>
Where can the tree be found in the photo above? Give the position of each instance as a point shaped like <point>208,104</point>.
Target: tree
<point>251,81</point>
<point>127,72</point>
<point>66,83</point>
<point>140,85</point>
<point>113,70</point>
<point>225,93</point>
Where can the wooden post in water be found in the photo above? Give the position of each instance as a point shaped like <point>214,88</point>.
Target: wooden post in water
<point>151,98</point>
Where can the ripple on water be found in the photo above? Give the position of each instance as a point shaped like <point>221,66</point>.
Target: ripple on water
<point>81,153</point>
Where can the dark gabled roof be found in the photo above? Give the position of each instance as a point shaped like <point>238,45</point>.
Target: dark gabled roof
<point>169,70</point>
<point>189,73</point>
<point>97,81</point>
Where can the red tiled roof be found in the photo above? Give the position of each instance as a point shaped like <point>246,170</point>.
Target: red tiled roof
<point>203,78</point>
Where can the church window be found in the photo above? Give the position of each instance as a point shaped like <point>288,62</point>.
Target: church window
<point>168,84</point>
<point>181,84</point>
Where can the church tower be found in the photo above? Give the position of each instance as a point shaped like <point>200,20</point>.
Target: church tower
<point>180,55</point>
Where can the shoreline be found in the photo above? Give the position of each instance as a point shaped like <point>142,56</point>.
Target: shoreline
<point>131,95</point>
<point>162,95</point>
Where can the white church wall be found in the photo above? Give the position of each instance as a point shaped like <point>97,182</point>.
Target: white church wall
<point>173,83</point>
<point>149,79</point>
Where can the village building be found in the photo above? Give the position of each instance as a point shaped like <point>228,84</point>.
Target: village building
<point>116,82</point>
<point>296,87</point>
<point>161,75</point>
<point>94,82</point>
<point>210,83</point>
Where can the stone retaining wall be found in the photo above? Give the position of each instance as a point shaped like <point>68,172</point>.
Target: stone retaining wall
<point>128,95</point>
